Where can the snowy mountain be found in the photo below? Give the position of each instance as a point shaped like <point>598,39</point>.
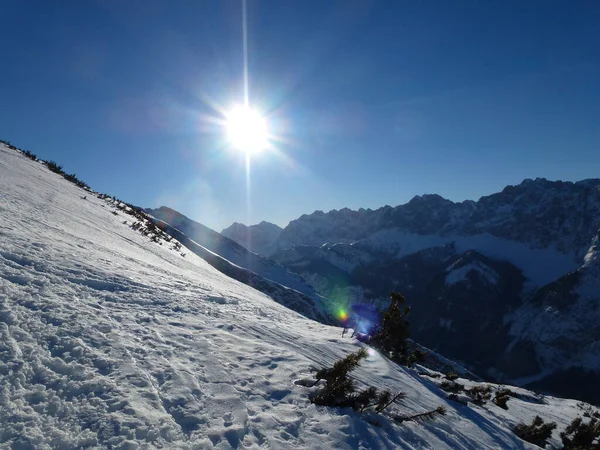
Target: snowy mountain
<point>260,238</point>
<point>309,304</point>
<point>515,272</point>
<point>232,251</point>
<point>110,338</point>
<point>538,213</point>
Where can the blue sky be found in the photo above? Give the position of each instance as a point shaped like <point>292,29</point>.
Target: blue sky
<point>374,102</point>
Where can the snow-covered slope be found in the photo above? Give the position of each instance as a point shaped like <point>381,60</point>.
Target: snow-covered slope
<point>260,238</point>
<point>232,251</point>
<point>312,306</point>
<point>110,340</point>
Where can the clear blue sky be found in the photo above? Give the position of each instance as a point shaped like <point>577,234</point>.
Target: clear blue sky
<point>377,101</point>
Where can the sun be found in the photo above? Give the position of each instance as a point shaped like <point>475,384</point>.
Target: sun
<point>246,130</point>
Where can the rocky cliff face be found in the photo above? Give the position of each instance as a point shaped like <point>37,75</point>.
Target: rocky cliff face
<point>539,213</point>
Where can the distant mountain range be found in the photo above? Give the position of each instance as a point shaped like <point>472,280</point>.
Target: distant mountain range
<point>509,284</point>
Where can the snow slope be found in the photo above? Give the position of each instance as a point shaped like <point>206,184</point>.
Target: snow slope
<point>109,340</point>
<point>314,307</point>
<point>232,251</point>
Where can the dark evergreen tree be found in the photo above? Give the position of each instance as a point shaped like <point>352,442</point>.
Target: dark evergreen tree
<point>54,167</point>
<point>582,436</point>
<point>537,432</point>
<point>394,330</point>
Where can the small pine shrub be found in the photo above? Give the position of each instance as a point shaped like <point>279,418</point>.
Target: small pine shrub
<point>30,155</point>
<point>451,376</point>
<point>54,167</point>
<point>365,398</point>
<point>339,385</point>
<point>73,179</point>
<point>417,356</point>
<point>439,411</point>
<point>580,435</point>
<point>479,394</point>
<point>339,389</point>
<point>501,398</point>
<point>452,386</point>
<point>537,432</point>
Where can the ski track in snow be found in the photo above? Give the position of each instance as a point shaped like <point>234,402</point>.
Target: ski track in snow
<point>108,340</point>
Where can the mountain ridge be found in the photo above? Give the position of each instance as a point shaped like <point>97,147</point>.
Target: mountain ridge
<point>231,250</point>
<point>259,238</point>
<point>543,233</point>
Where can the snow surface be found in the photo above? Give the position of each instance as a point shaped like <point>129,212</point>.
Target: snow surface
<point>109,340</point>
<point>232,251</point>
<point>539,265</point>
<point>459,274</point>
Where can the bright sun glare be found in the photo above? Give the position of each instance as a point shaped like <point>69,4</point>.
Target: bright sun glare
<point>247,130</point>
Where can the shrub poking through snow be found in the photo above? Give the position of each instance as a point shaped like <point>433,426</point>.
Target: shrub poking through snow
<point>537,432</point>
<point>452,386</point>
<point>73,179</point>
<point>439,411</point>
<point>451,376</point>
<point>479,394</point>
<point>30,155</point>
<point>501,398</point>
<point>417,356</point>
<point>580,435</point>
<point>339,389</point>
<point>54,167</point>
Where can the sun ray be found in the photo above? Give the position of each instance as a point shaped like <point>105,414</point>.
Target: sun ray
<point>245,51</point>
